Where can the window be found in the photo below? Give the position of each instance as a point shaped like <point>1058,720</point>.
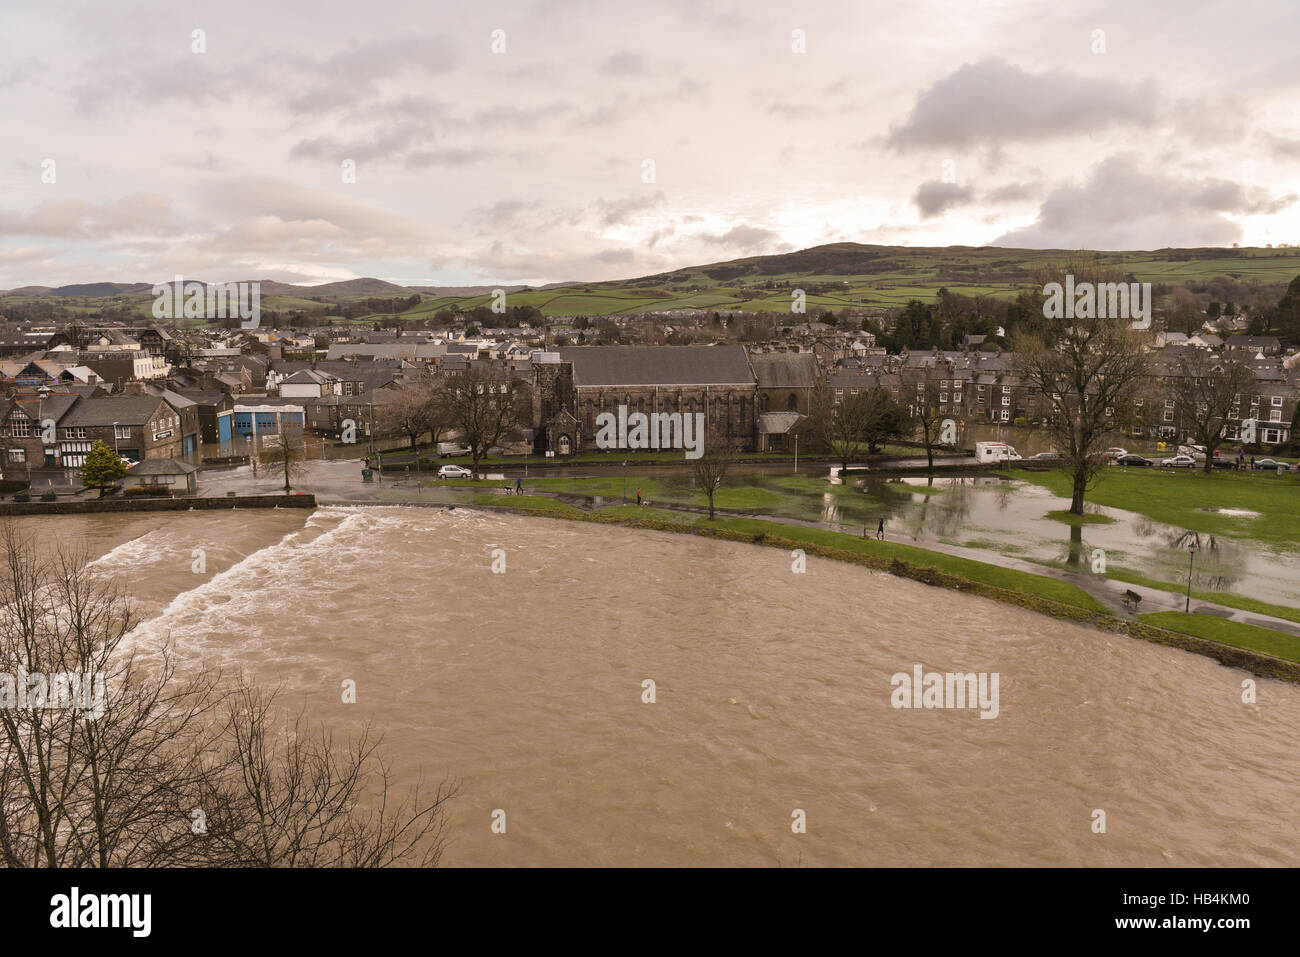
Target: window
<point>1169,403</point>
<point>22,428</point>
<point>979,388</point>
<point>1169,416</point>
<point>1277,401</point>
<point>121,431</point>
<point>1006,400</point>
<point>1275,415</point>
<point>18,456</point>
<point>1006,388</point>
<point>943,396</point>
<point>1006,416</point>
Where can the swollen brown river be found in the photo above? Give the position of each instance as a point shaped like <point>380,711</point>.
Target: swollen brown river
<point>772,695</point>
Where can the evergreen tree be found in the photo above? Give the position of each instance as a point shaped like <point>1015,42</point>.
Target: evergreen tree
<point>103,468</point>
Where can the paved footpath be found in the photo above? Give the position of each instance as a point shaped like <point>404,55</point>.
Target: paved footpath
<point>340,483</point>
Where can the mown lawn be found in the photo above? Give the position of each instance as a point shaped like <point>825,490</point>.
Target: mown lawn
<point>1234,633</point>
<point>530,502</point>
<point>1184,498</point>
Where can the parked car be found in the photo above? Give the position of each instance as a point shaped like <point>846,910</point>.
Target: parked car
<point>1135,460</point>
<point>1046,457</point>
<point>1178,462</point>
<point>1115,452</point>
<point>1225,463</point>
<point>454,471</point>
<point>1272,465</point>
<point>447,450</point>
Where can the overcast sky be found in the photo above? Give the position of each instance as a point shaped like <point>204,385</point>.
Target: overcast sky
<point>921,123</point>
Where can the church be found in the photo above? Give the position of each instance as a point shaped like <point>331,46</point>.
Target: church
<point>573,386</point>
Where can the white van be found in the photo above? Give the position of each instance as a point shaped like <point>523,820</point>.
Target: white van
<point>993,452</point>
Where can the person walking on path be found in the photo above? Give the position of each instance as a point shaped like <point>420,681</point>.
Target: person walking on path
<point>519,486</point>
<point>880,531</point>
<point>638,496</point>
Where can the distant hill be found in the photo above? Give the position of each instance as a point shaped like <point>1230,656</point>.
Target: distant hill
<point>27,291</point>
<point>347,287</point>
<point>833,277</point>
<point>465,290</point>
<point>92,289</point>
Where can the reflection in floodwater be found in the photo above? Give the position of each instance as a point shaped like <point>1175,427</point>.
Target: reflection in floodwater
<point>1074,552</point>
<point>1011,516</point>
<point>1218,562</point>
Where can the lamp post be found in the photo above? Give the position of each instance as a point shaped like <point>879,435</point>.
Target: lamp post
<point>1191,557</point>
<point>115,439</point>
<point>796,451</point>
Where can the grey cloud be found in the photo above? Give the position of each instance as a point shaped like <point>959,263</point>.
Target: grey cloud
<point>742,237</point>
<point>505,212</point>
<point>1126,204</point>
<point>620,211</point>
<point>389,143</point>
<point>265,197</point>
<point>1012,193</point>
<point>1283,147</point>
<point>352,76</point>
<point>76,219</point>
<point>424,159</point>
<point>935,197</point>
<point>991,102</point>
<point>623,63</point>
<point>513,117</point>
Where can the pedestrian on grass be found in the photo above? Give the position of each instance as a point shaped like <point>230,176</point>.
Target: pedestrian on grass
<point>638,496</point>
<point>519,486</point>
<point>880,530</point>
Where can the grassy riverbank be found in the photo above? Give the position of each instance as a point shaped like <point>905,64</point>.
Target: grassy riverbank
<point>1235,633</point>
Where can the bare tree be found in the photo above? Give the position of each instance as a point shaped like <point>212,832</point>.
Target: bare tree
<point>484,407</point>
<point>1206,388</point>
<point>414,411</point>
<point>840,425</point>
<point>93,777</point>
<point>285,794</point>
<point>711,468</point>
<point>921,396</point>
<point>109,759</point>
<point>1087,373</point>
<point>288,456</point>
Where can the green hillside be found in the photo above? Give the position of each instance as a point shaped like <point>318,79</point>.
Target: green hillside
<point>833,277</point>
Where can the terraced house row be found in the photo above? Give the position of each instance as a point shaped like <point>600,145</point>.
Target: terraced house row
<point>984,388</point>
<point>55,430</point>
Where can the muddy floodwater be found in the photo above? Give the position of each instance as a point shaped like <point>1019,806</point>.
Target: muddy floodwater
<point>772,694</point>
